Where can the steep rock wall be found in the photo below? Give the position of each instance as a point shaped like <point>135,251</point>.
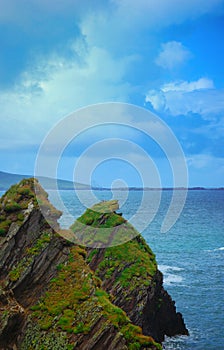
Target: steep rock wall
<point>129,273</point>
<point>49,296</point>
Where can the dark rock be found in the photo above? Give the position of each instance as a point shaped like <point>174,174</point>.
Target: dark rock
<point>160,316</point>
<point>143,298</point>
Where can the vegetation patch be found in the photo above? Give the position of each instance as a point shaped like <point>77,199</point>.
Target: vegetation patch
<point>134,261</point>
<point>4,227</point>
<point>73,304</point>
<point>35,339</point>
<point>15,201</point>
<point>67,292</point>
<point>98,219</point>
<point>103,228</point>
<point>20,194</point>
<point>12,206</point>
<point>133,334</point>
<point>31,252</point>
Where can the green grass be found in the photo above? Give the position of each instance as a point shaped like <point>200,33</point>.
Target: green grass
<point>98,219</point>
<point>40,244</point>
<point>19,193</point>
<point>103,229</point>
<point>31,252</point>
<point>12,204</point>
<point>67,291</point>
<point>133,334</point>
<point>4,227</point>
<point>11,207</point>
<point>134,261</point>
<point>91,255</point>
<point>73,304</point>
<point>16,200</point>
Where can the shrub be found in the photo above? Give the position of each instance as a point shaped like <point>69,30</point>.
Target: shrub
<point>12,207</point>
<point>4,226</point>
<point>14,274</point>
<point>20,217</point>
<point>2,232</point>
<point>25,191</point>
<point>81,328</point>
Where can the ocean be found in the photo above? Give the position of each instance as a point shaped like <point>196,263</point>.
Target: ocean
<point>190,255</point>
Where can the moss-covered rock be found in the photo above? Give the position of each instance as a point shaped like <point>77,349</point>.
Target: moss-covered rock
<point>100,226</point>
<point>74,304</point>
<point>58,295</point>
<point>130,275</point>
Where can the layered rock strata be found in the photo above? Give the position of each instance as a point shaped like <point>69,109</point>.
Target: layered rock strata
<point>58,295</point>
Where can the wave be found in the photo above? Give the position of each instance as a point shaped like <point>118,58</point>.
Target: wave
<point>174,343</point>
<point>214,250</point>
<point>170,278</point>
<point>167,268</point>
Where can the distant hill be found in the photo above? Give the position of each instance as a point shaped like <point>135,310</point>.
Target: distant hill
<point>7,180</point>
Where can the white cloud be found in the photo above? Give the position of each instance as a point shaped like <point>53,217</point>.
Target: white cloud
<point>185,86</point>
<point>157,99</point>
<point>117,24</point>
<point>54,87</point>
<point>182,97</point>
<point>172,55</point>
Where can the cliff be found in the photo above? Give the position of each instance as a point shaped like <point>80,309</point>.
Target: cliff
<point>129,273</point>
<point>57,295</point>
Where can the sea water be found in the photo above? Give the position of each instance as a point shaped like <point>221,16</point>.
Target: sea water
<point>190,255</point>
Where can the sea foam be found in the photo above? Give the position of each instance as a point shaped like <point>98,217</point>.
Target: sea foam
<point>170,278</point>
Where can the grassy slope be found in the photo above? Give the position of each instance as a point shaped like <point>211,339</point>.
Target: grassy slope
<point>134,259</point>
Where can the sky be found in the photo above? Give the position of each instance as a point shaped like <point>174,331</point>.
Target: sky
<point>165,56</point>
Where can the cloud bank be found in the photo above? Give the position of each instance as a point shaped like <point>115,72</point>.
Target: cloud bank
<point>183,97</point>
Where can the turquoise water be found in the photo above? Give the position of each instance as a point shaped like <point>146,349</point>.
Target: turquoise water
<point>190,255</point>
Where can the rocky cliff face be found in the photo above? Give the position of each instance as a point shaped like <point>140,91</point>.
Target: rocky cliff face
<point>143,298</point>
<point>57,295</point>
<point>129,273</point>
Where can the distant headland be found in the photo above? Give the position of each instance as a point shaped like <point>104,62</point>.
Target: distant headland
<point>8,179</point>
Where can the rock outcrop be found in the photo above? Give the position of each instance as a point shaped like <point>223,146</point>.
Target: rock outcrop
<point>58,295</point>
<point>129,273</point>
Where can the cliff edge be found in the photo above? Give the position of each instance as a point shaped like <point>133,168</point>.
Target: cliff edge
<point>58,295</point>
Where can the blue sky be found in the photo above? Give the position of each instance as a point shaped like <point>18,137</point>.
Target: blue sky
<point>165,55</point>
